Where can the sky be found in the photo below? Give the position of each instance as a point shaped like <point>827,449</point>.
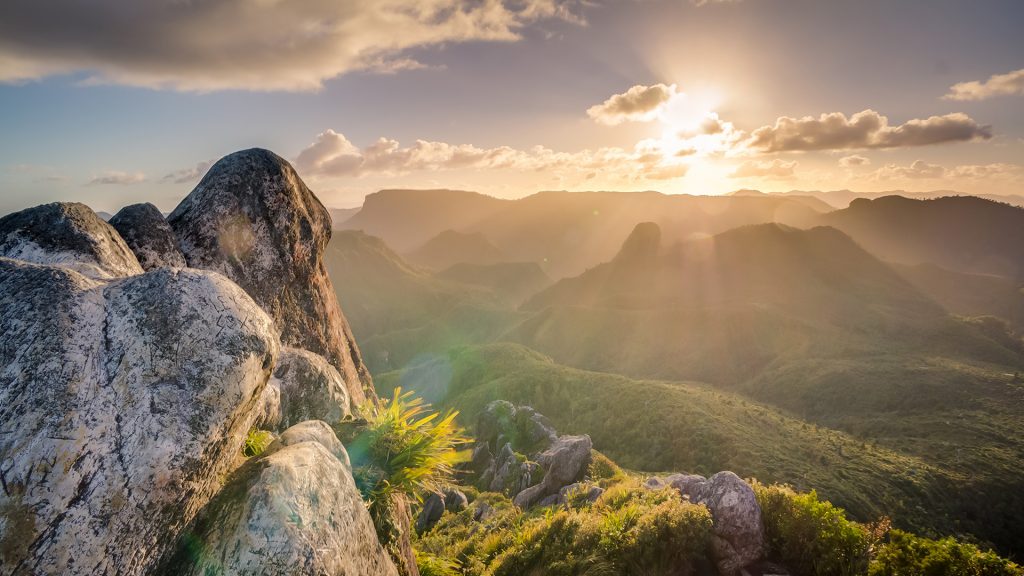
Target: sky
<point>113,102</point>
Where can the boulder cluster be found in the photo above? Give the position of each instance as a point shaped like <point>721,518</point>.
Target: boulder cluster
<point>135,358</point>
<point>519,453</point>
<point>737,539</point>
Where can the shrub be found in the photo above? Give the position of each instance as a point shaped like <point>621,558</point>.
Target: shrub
<point>603,471</point>
<point>908,555</point>
<point>429,565</point>
<point>256,442</point>
<point>629,530</point>
<point>403,451</point>
<point>813,537</point>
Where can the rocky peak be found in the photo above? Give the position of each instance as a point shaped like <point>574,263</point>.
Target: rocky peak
<point>641,246</point>
<point>148,235</point>
<point>69,235</point>
<point>252,219</point>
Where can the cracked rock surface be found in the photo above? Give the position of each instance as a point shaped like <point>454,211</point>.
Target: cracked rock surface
<point>122,408</point>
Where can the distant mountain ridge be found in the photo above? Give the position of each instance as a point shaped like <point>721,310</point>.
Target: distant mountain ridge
<point>566,232</point>
<point>960,233</point>
<point>450,248</point>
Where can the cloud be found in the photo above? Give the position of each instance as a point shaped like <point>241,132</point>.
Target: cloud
<point>854,160</point>
<point>706,2</point>
<point>997,85</point>
<point>117,178</point>
<point>921,170</point>
<point>332,155</point>
<point>638,104</point>
<point>256,45</point>
<point>187,175</point>
<point>777,169</point>
<point>867,129</point>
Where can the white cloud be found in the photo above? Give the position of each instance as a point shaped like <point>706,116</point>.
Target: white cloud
<point>863,130</point>
<point>776,169</point>
<point>921,170</point>
<point>117,178</point>
<point>256,45</point>
<point>638,104</point>
<point>332,155</point>
<point>854,160</point>
<point>186,175</point>
<point>997,85</point>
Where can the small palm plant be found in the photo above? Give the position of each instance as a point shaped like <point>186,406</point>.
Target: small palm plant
<point>403,451</point>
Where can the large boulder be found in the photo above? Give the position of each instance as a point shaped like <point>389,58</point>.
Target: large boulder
<point>147,234</point>
<point>564,463</point>
<point>252,219</point>
<point>122,406</point>
<point>69,235</point>
<point>737,532</point>
<point>293,511</point>
<point>304,387</point>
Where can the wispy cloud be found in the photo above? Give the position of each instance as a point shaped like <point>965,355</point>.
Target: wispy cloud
<point>867,129</point>
<point>854,161</point>
<point>117,178</point>
<point>188,175</point>
<point>775,169</point>
<point>997,85</point>
<point>222,44</point>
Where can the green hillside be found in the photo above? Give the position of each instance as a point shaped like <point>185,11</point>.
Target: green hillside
<point>960,233</point>
<point>450,248</point>
<point>685,426</point>
<point>398,311</point>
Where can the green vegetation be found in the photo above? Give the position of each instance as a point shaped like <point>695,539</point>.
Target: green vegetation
<point>628,530</point>
<point>402,451</point>
<point>631,530</point>
<point>813,537</point>
<point>256,442</point>
<point>692,427</point>
<point>908,555</point>
<point>789,355</point>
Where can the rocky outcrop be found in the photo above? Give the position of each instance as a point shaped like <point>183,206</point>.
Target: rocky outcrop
<point>293,511</point>
<point>518,452</point>
<point>436,504</point>
<point>148,235</point>
<point>641,247</point>
<point>523,427</point>
<point>304,387</point>
<point>564,463</point>
<point>738,531</point>
<point>69,235</point>
<point>122,405</point>
<point>252,219</point>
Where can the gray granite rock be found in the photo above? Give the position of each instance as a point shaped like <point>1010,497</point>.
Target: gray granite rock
<point>293,511</point>
<point>308,388</point>
<point>149,236</point>
<point>122,407</point>
<point>252,219</point>
<point>70,235</point>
